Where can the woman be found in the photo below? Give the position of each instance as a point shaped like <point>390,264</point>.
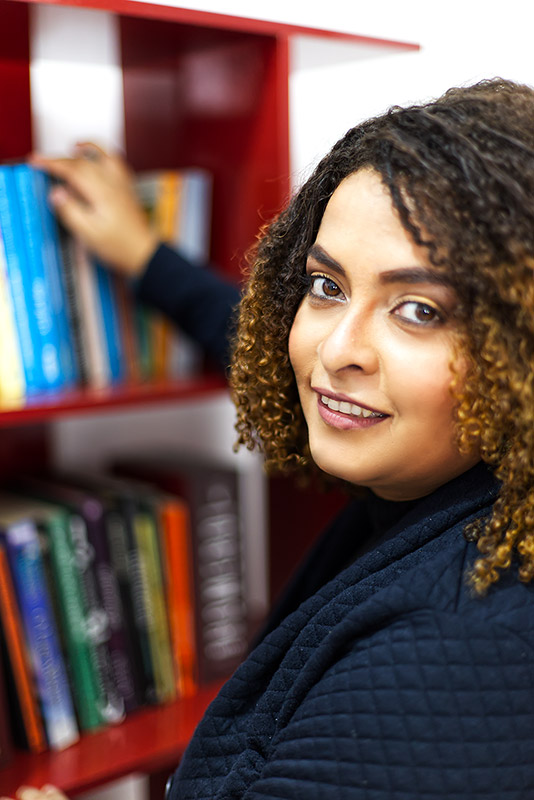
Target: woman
<point>386,338</point>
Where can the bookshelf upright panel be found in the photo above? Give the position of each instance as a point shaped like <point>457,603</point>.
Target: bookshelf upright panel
<point>213,98</point>
<point>15,131</point>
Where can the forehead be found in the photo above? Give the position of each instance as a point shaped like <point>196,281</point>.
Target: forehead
<point>360,226</point>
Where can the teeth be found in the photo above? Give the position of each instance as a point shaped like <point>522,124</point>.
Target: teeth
<point>348,408</point>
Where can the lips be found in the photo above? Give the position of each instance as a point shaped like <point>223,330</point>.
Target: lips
<point>344,405</point>
<point>344,415</point>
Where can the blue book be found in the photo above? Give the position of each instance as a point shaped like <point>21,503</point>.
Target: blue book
<point>38,275</point>
<point>20,284</point>
<point>53,262</point>
<point>26,563</point>
<point>110,320</point>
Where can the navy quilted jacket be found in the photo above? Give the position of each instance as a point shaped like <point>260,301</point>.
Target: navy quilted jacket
<point>387,679</point>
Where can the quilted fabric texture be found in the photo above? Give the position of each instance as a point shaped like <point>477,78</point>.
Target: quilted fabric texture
<point>385,680</point>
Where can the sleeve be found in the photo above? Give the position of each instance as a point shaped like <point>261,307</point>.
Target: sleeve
<point>197,299</point>
<point>430,707</point>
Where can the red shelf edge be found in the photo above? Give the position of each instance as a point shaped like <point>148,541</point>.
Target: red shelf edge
<point>151,739</point>
<point>229,22</point>
<point>90,401</point>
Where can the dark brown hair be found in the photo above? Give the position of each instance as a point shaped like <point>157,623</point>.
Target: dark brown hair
<point>460,171</point>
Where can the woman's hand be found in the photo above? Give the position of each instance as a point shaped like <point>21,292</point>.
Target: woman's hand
<point>96,201</point>
<point>47,792</point>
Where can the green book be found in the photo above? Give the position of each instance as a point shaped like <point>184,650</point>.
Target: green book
<point>147,539</point>
<point>53,524</point>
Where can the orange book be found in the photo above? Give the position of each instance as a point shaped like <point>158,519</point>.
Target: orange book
<point>165,217</point>
<point>125,303</point>
<point>19,659</point>
<point>176,546</point>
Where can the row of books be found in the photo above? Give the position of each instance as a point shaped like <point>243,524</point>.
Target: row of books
<point>66,320</point>
<point>116,592</point>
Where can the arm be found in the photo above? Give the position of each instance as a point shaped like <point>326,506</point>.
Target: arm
<point>197,299</point>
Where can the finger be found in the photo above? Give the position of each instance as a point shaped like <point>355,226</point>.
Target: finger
<point>53,793</point>
<point>77,216</point>
<point>47,792</point>
<point>89,150</point>
<point>85,178</point>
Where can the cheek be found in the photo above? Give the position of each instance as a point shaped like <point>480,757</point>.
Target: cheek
<point>298,346</point>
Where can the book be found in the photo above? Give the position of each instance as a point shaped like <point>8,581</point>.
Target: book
<point>211,494</point>
<point>111,330</point>
<point>21,285</point>
<point>53,523</point>
<point>21,540</point>
<point>72,288</point>
<point>99,589</point>
<point>27,723</point>
<point>55,275</point>
<point>130,571</point>
<point>96,360</point>
<point>6,741</point>
<point>194,228</point>
<point>141,510</point>
<point>160,192</point>
<point>178,203</point>
<point>39,277</point>
<point>126,321</point>
<point>147,539</point>
<point>12,379</point>
<point>179,589</point>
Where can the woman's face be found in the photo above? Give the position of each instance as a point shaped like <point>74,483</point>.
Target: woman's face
<point>371,347</point>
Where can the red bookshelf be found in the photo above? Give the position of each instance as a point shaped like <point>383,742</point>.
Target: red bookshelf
<point>200,89</point>
<point>151,740</point>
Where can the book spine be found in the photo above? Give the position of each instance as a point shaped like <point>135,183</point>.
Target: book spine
<point>117,537</point>
<point>125,307</point>
<point>153,593</point>
<point>195,218</point>
<point>110,705</point>
<point>12,380</point>
<point>20,283</point>
<point>98,373</point>
<point>178,558</point>
<point>108,587</point>
<point>110,320</point>
<point>73,618</point>
<point>41,289</point>
<point>6,741</point>
<point>28,712</point>
<point>68,258</point>
<point>221,617</point>
<point>22,544</point>
<point>138,596</point>
<point>165,213</point>
<point>55,274</point>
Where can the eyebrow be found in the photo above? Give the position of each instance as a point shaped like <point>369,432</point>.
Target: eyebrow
<point>409,275</point>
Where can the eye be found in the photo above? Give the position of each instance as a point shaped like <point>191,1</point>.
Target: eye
<point>324,288</point>
<point>418,313</point>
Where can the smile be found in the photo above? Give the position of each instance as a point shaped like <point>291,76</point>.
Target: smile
<point>349,408</point>
<point>347,416</point>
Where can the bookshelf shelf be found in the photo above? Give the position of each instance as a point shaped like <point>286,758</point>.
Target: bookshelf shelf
<point>46,408</point>
<point>150,740</point>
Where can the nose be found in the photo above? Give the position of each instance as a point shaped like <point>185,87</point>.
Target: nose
<point>349,344</point>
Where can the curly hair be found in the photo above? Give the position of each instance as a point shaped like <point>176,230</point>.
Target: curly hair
<point>460,172</point>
